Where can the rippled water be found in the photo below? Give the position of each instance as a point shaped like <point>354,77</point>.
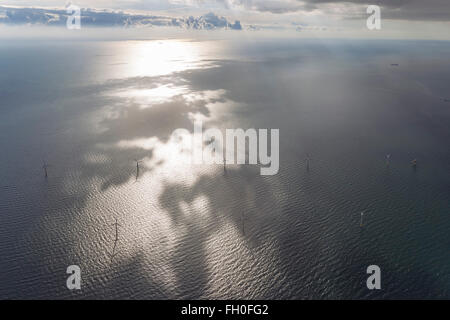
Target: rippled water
<point>188,231</point>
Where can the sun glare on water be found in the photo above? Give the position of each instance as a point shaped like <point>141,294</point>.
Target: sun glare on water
<point>163,57</point>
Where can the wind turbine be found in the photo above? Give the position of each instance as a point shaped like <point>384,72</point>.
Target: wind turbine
<point>137,167</point>
<point>45,166</point>
<point>116,239</point>
<point>388,160</point>
<point>116,225</point>
<point>361,223</point>
<point>224,164</point>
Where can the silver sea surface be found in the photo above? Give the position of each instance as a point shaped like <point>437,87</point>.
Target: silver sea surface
<point>88,109</point>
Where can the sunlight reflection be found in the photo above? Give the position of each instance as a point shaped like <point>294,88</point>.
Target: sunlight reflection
<point>163,57</point>
<point>147,97</point>
<point>173,156</point>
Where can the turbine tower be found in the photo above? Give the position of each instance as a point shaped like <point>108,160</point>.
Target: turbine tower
<point>116,239</point>
<point>45,166</point>
<point>137,167</point>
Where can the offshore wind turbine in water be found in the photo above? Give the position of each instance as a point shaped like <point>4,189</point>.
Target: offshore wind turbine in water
<point>388,160</point>
<point>224,165</point>
<point>116,239</point>
<point>45,166</point>
<point>137,167</point>
<point>361,222</point>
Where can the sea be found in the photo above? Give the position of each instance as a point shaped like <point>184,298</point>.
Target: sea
<point>77,115</point>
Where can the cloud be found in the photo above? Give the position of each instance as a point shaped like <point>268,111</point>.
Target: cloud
<point>209,21</point>
<point>433,10</point>
<point>108,18</point>
<point>426,10</point>
<point>274,6</point>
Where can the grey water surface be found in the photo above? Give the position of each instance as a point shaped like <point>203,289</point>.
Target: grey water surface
<point>87,109</point>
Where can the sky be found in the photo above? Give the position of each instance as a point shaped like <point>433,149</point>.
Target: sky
<point>428,19</point>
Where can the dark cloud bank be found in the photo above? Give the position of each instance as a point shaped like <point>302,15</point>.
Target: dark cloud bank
<point>429,10</point>
<point>426,10</point>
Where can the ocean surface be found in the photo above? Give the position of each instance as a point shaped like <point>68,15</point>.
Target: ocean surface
<point>88,109</point>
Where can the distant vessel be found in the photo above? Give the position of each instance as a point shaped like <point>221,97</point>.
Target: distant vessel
<point>394,64</point>
<point>414,163</point>
<point>361,223</point>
